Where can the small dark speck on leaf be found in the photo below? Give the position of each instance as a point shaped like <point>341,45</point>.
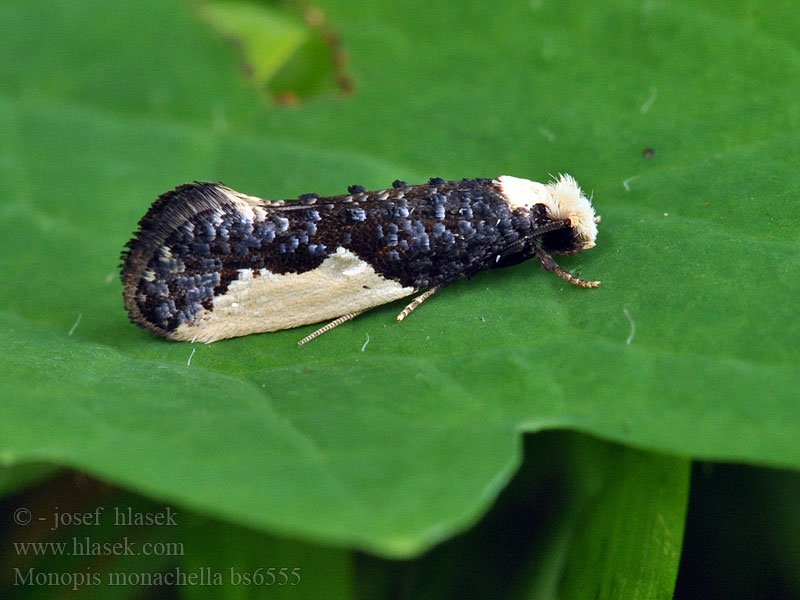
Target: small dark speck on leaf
<point>287,98</point>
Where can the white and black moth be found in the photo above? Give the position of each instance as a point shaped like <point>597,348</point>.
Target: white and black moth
<point>209,263</point>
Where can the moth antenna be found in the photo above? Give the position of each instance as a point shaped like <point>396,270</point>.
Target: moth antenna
<point>550,226</point>
<point>417,301</point>
<point>328,327</point>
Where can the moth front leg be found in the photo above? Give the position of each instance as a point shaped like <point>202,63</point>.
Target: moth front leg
<point>549,263</point>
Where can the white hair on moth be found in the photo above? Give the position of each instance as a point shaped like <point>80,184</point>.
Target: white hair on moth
<point>249,206</point>
<point>568,202</point>
<point>562,198</point>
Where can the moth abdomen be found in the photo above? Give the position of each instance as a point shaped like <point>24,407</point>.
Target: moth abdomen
<point>209,263</point>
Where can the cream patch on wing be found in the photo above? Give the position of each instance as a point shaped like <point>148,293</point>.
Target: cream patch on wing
<point>521,193</point>
<point>251,207</point>
<point>342,284</point>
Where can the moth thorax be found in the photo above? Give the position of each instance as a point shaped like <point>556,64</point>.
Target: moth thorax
<point>562,200</point>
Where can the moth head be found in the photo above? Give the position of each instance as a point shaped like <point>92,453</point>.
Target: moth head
<point>557,201</point>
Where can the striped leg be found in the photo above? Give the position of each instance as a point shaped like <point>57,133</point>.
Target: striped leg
<point>549,263</point>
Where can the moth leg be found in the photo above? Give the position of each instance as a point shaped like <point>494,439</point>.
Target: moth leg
<point>329,326</point>
<point>418,300</point>
<point>549,263</point>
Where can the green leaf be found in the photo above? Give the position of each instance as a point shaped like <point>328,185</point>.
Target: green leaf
<point>255,565</point>
<point>581,518</point>
<point>622,536</point>
<point>269,40</point>
<point>398,444</point>
<point>279,53</point>
<point>21,476</point>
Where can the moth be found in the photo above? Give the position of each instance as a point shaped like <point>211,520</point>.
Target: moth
<point>209,263</point>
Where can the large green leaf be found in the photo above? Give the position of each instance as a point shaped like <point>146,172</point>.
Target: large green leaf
<point>399,443</point>
<point>625,539</point>
<point>580,519</point>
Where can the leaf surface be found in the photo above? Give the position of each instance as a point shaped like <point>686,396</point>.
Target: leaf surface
<point>398,443</point>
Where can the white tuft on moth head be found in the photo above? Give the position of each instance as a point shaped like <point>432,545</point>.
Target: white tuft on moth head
<point>562,198</point>
<point>566,201</point>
